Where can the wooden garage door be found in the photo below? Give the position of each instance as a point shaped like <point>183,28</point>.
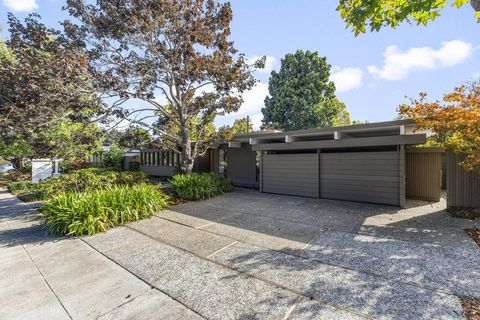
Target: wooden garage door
<point>361,176</point>
<point>291,174</point>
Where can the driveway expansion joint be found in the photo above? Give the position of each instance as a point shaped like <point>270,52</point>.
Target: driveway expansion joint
<point>275,284</point>
<point>152,286</point>
<point>298,255</point>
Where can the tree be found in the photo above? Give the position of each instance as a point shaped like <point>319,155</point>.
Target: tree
<point>242,125</point>
<point>134,137</point>
<point>176,49</point>
<point>301,96</point>
<point>45,82</point>
<point>375,14</point>
<point>343,116</point>
<point>456,121</point>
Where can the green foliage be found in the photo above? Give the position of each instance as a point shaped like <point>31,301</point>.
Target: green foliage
<point>47,96</point>
<point>75,181</point>
<point>199,186</point>
<point>242,125</point>
<point>134,138</point>
<point>301,94</point>
<point>113,157</point>
<point>91,212</point>
<point>134,166</point>
<point>343,116</point>
<point>192,49</point>
<point>17,186</point>
<point>375,14</point>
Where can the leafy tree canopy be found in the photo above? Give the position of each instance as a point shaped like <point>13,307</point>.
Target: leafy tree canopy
<point>301,96</point>
<point>456,121</point>
<point>343,116</point>
<point>242,125</point>
<point>361,15</point>
<point>175,49</point>
<point>133,137</point>
<point>46,95</point>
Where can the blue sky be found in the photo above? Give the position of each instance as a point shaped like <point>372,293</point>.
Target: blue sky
<point>373,72</point>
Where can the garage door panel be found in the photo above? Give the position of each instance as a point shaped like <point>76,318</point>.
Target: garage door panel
<point>361,178</point>
<point>292,174</point>
<point>353,172</point>
<point>367,177</point>
<point>350,156</point>
<point>365,165</point>
<point>355,187</point>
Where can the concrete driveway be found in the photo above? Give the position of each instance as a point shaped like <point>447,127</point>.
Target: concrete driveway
<point>246,255</point>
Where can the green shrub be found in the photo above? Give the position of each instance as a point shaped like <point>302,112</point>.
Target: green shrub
<point>199,186</point>
<point>91,212</point>
<point>16,186</point>
<point>113,157</point>
<point>75,181</point>
<point>134,166</point>
<point>32,195</point>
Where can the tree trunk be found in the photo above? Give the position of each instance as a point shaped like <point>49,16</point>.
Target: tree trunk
<point>17,163</point>
<point>186,163</point>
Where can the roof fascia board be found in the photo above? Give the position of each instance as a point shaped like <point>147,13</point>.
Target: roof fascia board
<point>331,130</point>
<point>344,143</point>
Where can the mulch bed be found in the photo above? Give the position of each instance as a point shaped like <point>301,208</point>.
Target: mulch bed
<point>475,234</point>
<point>465,213</point>
<point>471,308</point>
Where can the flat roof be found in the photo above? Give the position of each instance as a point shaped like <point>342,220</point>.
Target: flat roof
<point>324,131</point>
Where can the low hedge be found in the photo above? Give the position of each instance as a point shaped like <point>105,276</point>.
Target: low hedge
<point>75,181</point>
<point>199,186</point>
<point>76,214</point>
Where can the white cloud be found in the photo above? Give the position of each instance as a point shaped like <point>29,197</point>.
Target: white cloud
<point>346,79</point>
<point>256,121</point>
<point>253,102</point>
<point>270,63</point>
<point>21,5</point>
<point>398,64</point>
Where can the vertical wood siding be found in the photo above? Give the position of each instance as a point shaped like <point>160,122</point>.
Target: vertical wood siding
<point>463,187</point>
<point>242,166</point>
<point>423,175</point>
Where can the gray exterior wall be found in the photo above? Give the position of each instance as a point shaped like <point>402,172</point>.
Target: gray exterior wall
<point>202,164</point>
<point>424,174</point>
<point>159,171</point>
<point>361,176</point>
<point>290,174</point>
<point>242,167</point>
<point>463,187</point>
<point>159,163</point>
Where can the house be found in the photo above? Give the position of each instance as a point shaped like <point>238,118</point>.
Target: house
<point>375,163</point>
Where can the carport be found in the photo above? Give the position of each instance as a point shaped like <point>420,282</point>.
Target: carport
<point>365,163</point>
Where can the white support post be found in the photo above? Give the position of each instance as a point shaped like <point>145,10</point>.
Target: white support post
<point>289,139</point>
<point>337,135</point>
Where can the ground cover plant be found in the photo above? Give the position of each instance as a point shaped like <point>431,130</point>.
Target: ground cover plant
<point>471,307</point>
<point>199,186</point>
<point>81,213</point>
<point>75,181</point>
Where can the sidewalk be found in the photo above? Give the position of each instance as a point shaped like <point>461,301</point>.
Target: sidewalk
<point>44,277</point>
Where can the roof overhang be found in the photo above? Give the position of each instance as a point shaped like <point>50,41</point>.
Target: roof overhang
<point>345,143</point>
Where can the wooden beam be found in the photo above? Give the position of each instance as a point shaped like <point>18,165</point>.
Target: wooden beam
<point>234,144</point>
<point>345,143</point>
